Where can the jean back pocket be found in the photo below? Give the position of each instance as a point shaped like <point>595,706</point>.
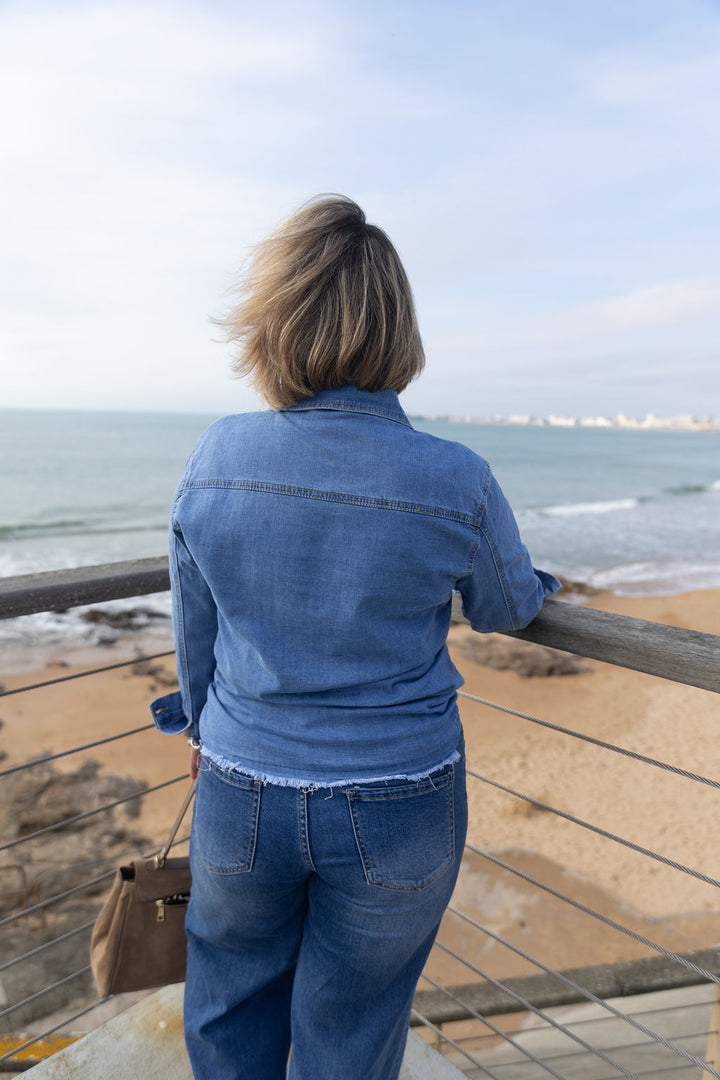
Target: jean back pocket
<point>225,820</point>
<point>405,830</point>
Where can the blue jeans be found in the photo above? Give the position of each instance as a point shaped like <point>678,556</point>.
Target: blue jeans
<point>311,916</point>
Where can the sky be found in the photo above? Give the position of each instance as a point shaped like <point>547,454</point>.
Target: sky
<point>549,172</point>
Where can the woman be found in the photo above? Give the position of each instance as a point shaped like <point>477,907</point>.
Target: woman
<point>315,548</point>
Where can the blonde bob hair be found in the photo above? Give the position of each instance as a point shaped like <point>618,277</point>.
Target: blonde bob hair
<point>325,303</point>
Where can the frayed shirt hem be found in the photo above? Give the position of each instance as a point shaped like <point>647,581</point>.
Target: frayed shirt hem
<point>310,784</point>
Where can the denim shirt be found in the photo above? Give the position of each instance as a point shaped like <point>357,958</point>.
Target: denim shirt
<point>313,556</point>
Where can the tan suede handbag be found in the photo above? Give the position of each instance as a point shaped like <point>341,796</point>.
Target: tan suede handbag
<point>138,940</point>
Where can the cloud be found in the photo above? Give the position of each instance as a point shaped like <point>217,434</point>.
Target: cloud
<point>546,198</point>
<point>666,321</point>
<point>653,308</point>
<point>134,164</point>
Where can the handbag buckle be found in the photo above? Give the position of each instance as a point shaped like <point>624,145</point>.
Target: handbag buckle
<point>160,912</point>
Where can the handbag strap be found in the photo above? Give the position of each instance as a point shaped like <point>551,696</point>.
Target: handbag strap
<point>160,859</point>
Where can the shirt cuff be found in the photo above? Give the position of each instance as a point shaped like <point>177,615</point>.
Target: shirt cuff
<point>550,584</point>
<point>169,715</point>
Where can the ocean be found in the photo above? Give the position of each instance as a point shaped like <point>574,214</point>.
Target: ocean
<point>636,512</point>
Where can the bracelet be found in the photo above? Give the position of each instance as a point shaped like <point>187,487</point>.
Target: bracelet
<point>193,744</point>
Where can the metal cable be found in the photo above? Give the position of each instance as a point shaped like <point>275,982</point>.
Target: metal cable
<point>45,990</point>
<point>47,945</point>
<point>76,889</point>
<point>53,899</point>
<point>596,829</point>
<point>575,1054</point>
<point>528,1005</point>
<point>84,674</point>
<point>595,742</point>
<point>588,1021</point>
<point>655,1071</point>
<point>628,1046</point>
<point>88,813</point>
<point>51,1031</point>
<point>499,1031</point>
<point>707,976</point>
<point>115,858</point>
<point>446,1038</point>
<point>609,1019</point>
<point>75,750</point>
<point>51,871</point>
<point>588,993</point>
<point>659,1072</point>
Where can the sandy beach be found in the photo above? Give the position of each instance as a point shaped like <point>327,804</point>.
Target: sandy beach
<point>646,805</point>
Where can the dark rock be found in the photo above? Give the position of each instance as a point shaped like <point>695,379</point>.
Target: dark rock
<point>576,588</point>
<point>131,619</point>
<point>157,672</point>
<point>42,970</point>
<point>54,863</point>
<point>523,657</point>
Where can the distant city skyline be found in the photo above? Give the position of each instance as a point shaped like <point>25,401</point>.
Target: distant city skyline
<point>550,174</point>
<point>649,422</point>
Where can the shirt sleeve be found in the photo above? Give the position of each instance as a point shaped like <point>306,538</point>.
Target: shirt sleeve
<point>503,590</point>
<point>195,626</point>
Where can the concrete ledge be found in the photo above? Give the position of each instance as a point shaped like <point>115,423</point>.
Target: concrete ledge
<point>143,1043</point>
<point>422,1062</point>
<point>146,1043</point>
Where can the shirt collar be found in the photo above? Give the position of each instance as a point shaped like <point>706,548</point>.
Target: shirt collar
<point>383,403</point>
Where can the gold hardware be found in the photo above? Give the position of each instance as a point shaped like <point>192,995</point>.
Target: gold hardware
<point>160,905</point>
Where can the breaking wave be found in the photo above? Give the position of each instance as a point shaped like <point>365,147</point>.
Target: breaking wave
<point>575,509</point>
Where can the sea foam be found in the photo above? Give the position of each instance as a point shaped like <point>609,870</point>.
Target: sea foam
<point>603,507</point>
